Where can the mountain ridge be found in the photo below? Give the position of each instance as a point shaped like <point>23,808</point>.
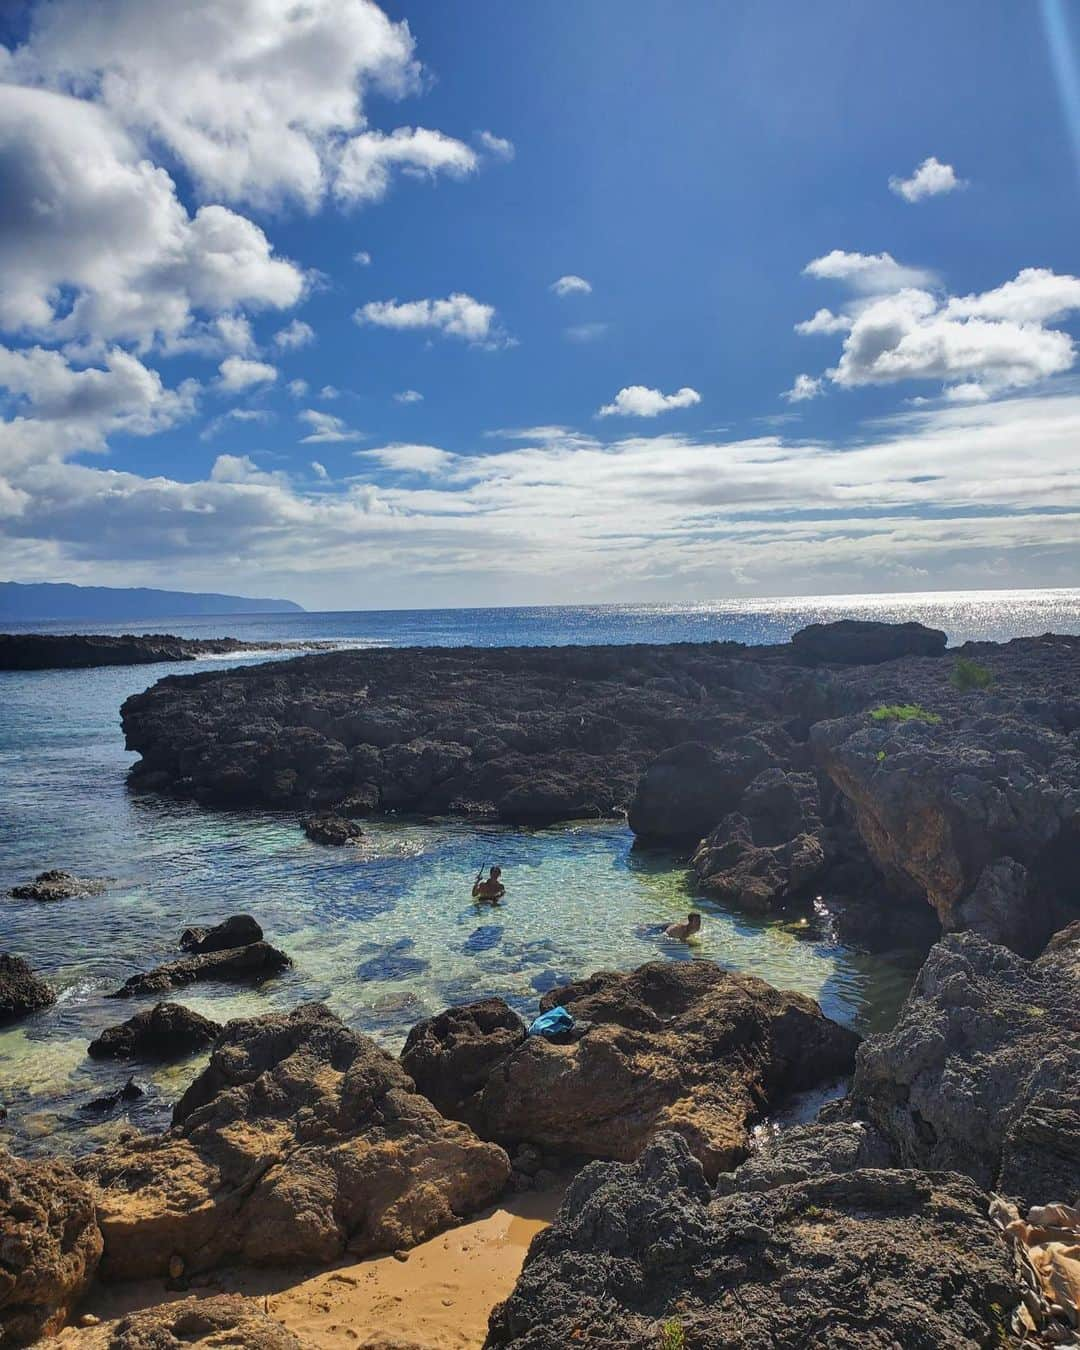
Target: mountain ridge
<point>65,600</point>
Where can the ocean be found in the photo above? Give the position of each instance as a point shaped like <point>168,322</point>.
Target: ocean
<point>384,933</point>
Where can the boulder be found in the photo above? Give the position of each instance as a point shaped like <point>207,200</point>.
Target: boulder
<point>300,1141</point>
<point>688,788</point>
<point>865,642</point>
<point>220,1320</point>
<point>50,1245</point>
<point>681,1046</point>
<point>254,963</point>
<point>450,1057</point>
<point>236,931</point>
<point>801,1151</point>
<point>21,991</point>
<point>980,1073</point>
<point>769,851</point>
<point>331,829</point>
<point>643,1255</point>
<point>164,1032</point>
<point>57,885</point>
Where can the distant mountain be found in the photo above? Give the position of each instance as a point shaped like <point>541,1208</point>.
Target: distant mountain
<point>26,602</point>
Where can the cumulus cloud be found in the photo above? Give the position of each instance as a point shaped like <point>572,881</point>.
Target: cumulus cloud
<point>638,401</point>
<point>320,471</point>
<point>930,179</point>
<point>871,273</point>
<point>824,322</point>
<point>459,315</point>
<point>804,388</point>
<point>409,396</point>
<point>297,388</point>
<point>329,393</point>
<point>977,346</point>
<point>95,243</point>
<point>253,97</point>
<point>367,161</point>
<point>570,285</point>
<point>496,146</point>
<point>293,335</point>
<point>231,418</point>
<point>242,469</point>
<point>237,373</point>
<point>325,427</point>
<point>363,258</point>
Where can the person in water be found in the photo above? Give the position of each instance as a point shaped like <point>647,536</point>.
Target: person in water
<point>683,932</point>
<point>491,890</point>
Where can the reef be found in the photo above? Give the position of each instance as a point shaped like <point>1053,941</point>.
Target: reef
<point>73,651</point>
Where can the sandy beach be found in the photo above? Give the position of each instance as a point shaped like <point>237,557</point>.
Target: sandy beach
<point>437,1299</point>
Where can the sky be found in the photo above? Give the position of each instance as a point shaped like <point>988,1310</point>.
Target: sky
<point>482,303</point>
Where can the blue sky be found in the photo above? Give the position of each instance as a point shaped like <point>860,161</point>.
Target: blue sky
<point>202,386</point>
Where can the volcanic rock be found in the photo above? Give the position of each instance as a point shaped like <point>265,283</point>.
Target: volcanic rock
<point>869,1259</point>
<point>865,642</point>
<point>771,849</point>
<point>803,1151</point>
<point>255,962</point>
<point>164,1032</point>
<point>681,1046</point>
<point>69,651</point>
<point>21,991</point>
<point>57,885</point>
<point>331,830</point>
<point>300,1141</point>
<point>128,1091</point>
<point>237,931</point>
<point>50,1245</point>
<point>222,1320</point>
<point>980,1073</point>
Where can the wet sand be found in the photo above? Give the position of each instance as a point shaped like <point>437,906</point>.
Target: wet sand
<point>438,1299</point>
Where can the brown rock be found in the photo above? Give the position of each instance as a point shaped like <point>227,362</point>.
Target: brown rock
<point>236,931</point>
<point>331,829</point>
<point>164,1032</point>
<point>223,1320</point>
<point>301,1140</point>
<point>50,1245</point>
<point>21,991</point>
<point>450,1057</point>
<point>681,1046</point>
<point>255,962</point>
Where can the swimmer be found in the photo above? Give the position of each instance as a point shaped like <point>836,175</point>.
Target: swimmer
<point>683,932</point>
<point>490,891</point>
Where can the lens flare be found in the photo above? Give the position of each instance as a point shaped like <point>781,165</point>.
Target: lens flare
<point>1064,63</point>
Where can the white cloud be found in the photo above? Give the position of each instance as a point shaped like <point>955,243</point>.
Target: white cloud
<point>298,388</point>
<point>325,427</point>
<point>402,458</point>
<point>930,179</point>
<point>496,146</point>
<point>459,315</point>
<point>363,258</point>
<point>638,401</point>
<point>238,373</point>
<point>242,469</point>
<point>804,388</point>
<point>234,415</point>
<point>367,161</point>
<point>1036,295</point>
<point>870,273</point>
<point>319,470</point>
<point>570,285</point>
<point>409,396</point>
<point>252,96</point>
<point>329,393</point>
<point>824,322</point>
<point>94,242</point>
<point>293,335</point>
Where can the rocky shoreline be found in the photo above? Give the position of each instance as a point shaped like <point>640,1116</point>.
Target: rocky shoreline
<point>76,651</point>
<point>936,1205</point>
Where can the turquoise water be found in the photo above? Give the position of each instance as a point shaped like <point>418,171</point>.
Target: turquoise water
<point>384,933</point>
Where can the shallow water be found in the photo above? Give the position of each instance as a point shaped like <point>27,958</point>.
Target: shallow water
<point>384,933</point>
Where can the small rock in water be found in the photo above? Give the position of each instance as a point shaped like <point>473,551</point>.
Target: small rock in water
<point>239,930</point>
<point>485,937</point>
<point>128,1092</point>
<point>21,991</point>
<point>331,830</point>
<point>549,979</point>
<point>57,885</point>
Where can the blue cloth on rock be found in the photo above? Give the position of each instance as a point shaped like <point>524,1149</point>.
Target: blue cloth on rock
<point>552,1023</point>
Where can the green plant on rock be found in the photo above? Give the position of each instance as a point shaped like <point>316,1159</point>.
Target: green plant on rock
<point>968,675</point>
<point>672,1336</point>
<point>903,712</point>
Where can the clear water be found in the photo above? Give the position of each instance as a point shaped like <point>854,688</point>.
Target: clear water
<point>385,933</point>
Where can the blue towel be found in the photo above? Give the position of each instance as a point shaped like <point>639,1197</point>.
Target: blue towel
<point>552,1023</point>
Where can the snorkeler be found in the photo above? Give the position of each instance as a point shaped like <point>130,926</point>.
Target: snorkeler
<point>683,932</point>
<point>491,890</point>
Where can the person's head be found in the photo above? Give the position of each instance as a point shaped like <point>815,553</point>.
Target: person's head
<point>694,920</point>
<point>495,873</point>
